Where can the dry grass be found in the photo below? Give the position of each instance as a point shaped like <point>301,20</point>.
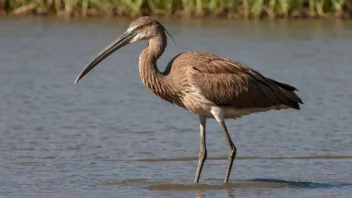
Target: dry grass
<point>181,8</point>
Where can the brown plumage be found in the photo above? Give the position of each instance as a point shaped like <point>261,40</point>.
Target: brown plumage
<point>205,84</point>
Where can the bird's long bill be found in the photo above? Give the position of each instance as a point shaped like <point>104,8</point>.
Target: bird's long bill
<point>123,40</point>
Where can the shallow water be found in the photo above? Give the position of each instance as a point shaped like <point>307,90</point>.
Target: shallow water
<point>108,136</point>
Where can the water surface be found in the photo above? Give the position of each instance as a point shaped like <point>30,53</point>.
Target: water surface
<point>108,136</point>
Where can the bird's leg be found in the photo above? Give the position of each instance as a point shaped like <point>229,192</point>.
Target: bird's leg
<point>203,149</point>
<point>232,152</point>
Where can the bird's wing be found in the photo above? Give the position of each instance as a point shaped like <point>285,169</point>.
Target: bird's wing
<point>229,83</point>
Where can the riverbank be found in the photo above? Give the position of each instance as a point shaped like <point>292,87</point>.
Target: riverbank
<point>181,8</point>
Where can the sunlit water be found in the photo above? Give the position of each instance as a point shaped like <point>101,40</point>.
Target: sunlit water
<point>108,136</point>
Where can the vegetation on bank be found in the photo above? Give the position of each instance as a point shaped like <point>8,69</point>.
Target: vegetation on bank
<point>181,8</point>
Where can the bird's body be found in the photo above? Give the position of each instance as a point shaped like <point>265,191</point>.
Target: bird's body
<point>208,85</point>
<point>202,82</point>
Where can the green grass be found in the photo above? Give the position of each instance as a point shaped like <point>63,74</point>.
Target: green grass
<point>181,8</point>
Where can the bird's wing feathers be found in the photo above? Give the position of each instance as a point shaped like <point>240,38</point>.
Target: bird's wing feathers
<point>228,83</point>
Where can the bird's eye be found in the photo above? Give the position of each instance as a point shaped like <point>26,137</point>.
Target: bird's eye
<point>139,28</point>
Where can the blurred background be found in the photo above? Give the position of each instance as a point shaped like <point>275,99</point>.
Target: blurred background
<point>182,8</point>
<point>108,136</point>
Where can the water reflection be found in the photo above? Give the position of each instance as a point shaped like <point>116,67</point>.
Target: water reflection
<point>239,185</point>
<point>303,184</point>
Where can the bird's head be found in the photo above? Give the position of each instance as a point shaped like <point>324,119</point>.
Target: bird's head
<point>143,28</point>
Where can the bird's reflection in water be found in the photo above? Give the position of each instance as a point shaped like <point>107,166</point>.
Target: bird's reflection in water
<point>200,193</point>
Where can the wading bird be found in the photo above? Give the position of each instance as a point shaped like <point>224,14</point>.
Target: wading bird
<point>208,85</point>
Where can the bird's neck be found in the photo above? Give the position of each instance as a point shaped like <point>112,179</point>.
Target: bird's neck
<point>153,79</point>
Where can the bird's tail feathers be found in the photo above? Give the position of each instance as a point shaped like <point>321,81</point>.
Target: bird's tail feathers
<point>293,99</point>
